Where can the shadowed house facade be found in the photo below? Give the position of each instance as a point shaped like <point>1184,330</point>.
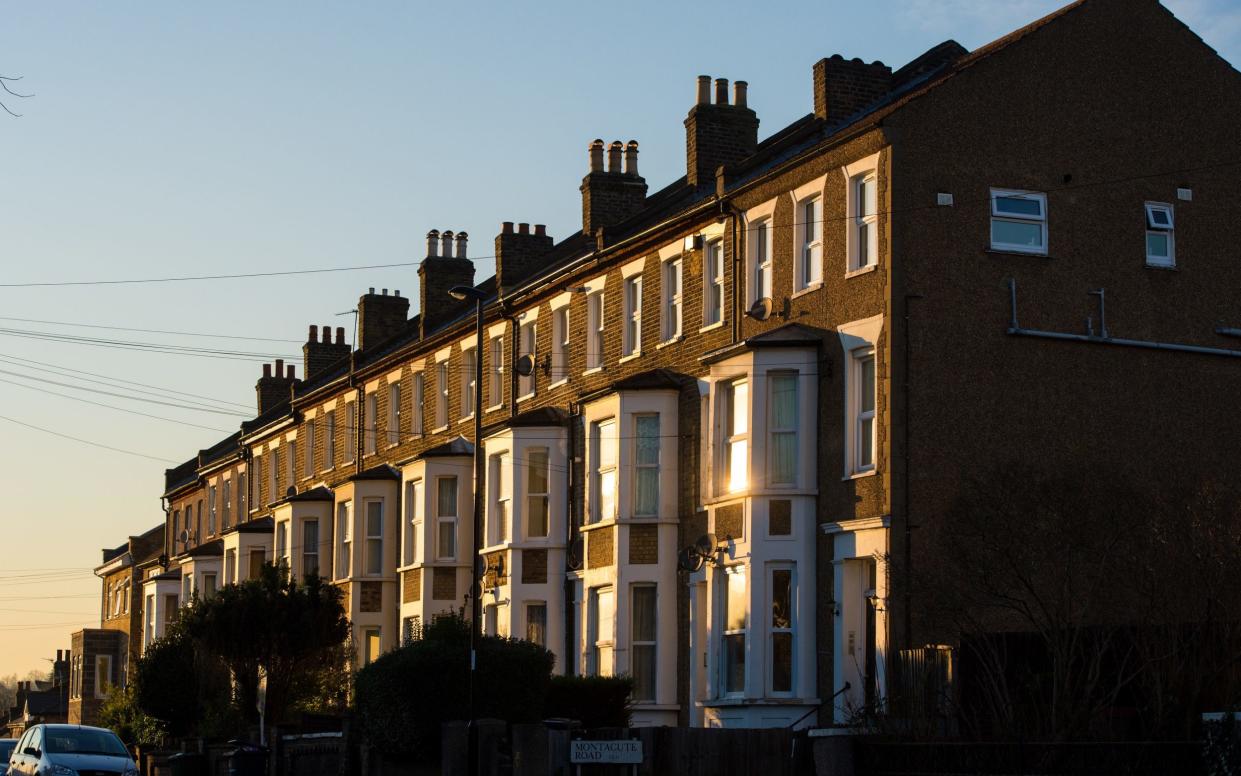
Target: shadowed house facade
<point>714,417</point>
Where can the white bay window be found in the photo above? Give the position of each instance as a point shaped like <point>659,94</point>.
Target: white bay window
<point>782,428</point>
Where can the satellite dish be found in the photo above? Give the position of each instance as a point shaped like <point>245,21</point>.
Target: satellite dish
<point>163,561</point>
<point>573,558</point>
<point>761,309</point>
<point>706,545</point>
<point>525,365</point>
<point>291,490</point>
<point>689,559</point>
<point>184,536</point>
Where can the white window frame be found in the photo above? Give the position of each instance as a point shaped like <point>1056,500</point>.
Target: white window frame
<point>394,413</point>
<point>292,461</point>
<point>561,331</point>
<point>808,271</point>
<point>638,466</point>
<point>596,324</point>
<point>417,396</point>
<point>413,521</point>
<point>373,538</point>
<point>652,644</point>
<point>999,215</point>
<point>273,472</point>
<point>774,431</point>
<point>859,172</point>
<point>527,338</point>
<point>673,290</point>
<point>537,501</point>
<point>1153,227</point>
<point>351,431</point>
<point>282,542</point>
<point>103,675</point>
<point>733,410</point>
<point>469,381</point>
<point>858,338</point>
<point>344,540</point>
<point>212,497</point>
<point>495,387</point>
<point>330,452</point>
<point>441,395</point>
<point>447,523</point>
<point>730,573</point>
<point>761,247</point>
<point>370,441</point>
<point>631,335</point>
<point>530,605</point>
<point>376,633</point>
<point>773,629</point>
<point>599,471</point>
<point>309,464</point>
<point>310,549</point>
<point>863,419</point>
<point>500,484</point>
<point>601,648</point>
<point>713,284</point>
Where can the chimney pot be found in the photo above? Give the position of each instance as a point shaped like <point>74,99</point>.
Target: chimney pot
<point>292,374</point>
<point>721,91</point>
<point>279,370</point>
<point>596,155</point>
<point>462,237</point>
<point>704,90</point>
<point>313,336</point>
<point>340,335</point>
<point>506,227</point>
<point>267,370</point>
<point>385,292</point>
<point>614,156</point>
<point>446,244</point>
<point>433,239</point>
<point>372,290</point>
<point>396,292</point>
<point>523,229</point>
<point>739,93</point>
<point>631,158</point>
<point>540,230</point>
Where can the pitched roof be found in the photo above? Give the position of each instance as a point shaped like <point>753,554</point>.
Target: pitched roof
<point>450,449</point>
<point>207,549</point>
<point>790,335</point>
<point>321,493</point>
<point>381,472</point>
<point>261,525</point>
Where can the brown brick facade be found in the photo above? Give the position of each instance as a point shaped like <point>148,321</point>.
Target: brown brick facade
<point>599,547</point>
<point>444,584</point>
<point>643,544</point>
<point>411,587</point>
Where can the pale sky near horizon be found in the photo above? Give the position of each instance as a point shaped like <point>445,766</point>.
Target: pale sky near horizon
<point>185,139</point>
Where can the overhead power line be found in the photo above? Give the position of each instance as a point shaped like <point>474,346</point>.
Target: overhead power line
<point>157,347</point>
<point>87,441</point>
<point>148,331</point>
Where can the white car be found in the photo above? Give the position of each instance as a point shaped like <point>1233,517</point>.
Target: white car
<point>70,750</point>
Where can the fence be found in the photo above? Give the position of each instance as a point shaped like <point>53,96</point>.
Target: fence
<point>886,758</point>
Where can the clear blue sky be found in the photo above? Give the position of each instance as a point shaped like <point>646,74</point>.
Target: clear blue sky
<point>173,139</point>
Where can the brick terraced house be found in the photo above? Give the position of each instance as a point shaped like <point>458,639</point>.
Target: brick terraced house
<point>714,416</point>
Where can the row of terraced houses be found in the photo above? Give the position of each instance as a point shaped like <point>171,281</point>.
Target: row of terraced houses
<point>789,359</point>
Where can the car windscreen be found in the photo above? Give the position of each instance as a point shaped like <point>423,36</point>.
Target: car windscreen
<point>82,741</point>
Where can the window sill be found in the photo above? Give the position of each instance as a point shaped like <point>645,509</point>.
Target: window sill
<point>781,700</point>
<point>526,397</point>
<point>326,471</point>
<point>466,419</point>
<point>593,370</point>
<point>558,383</point>
<point>859,475</point>
<point>672,341</point>
<point>493,408</point>
<point>494,548</point>
<point>712,327</point>
<point>1014,252</point>
<point>634,356</point>
<point>608,523</point>
<point>861,271</point>
<point>440,429</point>
<point>1163,267</point>
<point>815,286</point>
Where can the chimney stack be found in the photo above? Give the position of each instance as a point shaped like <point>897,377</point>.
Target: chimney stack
<point>380,316</point>
<point>718,133</point>
<point>319,354</point>
<point>612,196</point>
<point>520,254</point>
<point>275,387</point>
<point>842,87</point>
<point>438,273</point>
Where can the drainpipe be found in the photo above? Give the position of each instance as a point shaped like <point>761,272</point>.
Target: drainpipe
<point>908,512</point>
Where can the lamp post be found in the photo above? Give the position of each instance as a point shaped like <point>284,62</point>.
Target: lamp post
<point>462,293</point>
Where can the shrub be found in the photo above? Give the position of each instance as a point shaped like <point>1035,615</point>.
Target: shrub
<point>595,701</point>
<point>405,696</point>
<point>120,712</point>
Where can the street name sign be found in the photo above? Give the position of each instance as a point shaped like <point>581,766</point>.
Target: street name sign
<point>601,752</point>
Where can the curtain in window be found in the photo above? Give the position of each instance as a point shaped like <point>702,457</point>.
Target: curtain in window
<point>783,451</point>
<point>643,668</point>
<point>647,463</point>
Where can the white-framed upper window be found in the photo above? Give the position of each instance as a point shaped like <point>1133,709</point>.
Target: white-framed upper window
<point>351,431</point>
<point>446,517</point>
<point>782,428</point>
<point>501,487</point>
<point>643,663</point>
<point>495,372</point>
<point>226,503</point>
<point>103,675</point>
<point>417,397</point>
<point>372,420</point>
<point>760,247</point>
<point>1160,236</point>
<point>413,521</point>
<point>631,341</point>
<point>273,472</point>
<point>862,377</point>
<point>536,622</point>
<point>330,442</point>
<point>537,492</point>
<point>211,509</point>
<point>282,543</point>
<point>526,338</point>
<point>308,468</point>
<point>672,281</point>
<point>344,539</point>
<point>809,233</point>
<point>374,538</point>
<point>594,329</point>
<point>603,452</point>
<point>713,284</point>
<point>602,613</point>
<point>441,394</point>
<point>646,464</point>
<point>469,381</point>
<point>1019,221</point>
<point>735,613</point>
<point>735,474</point>
<point>560,343</point>
<point>394,413</point>
<point>782,592</point>
<point>292,460</point>
<point>863,206</point>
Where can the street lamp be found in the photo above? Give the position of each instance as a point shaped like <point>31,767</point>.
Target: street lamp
<point>461,294</point>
